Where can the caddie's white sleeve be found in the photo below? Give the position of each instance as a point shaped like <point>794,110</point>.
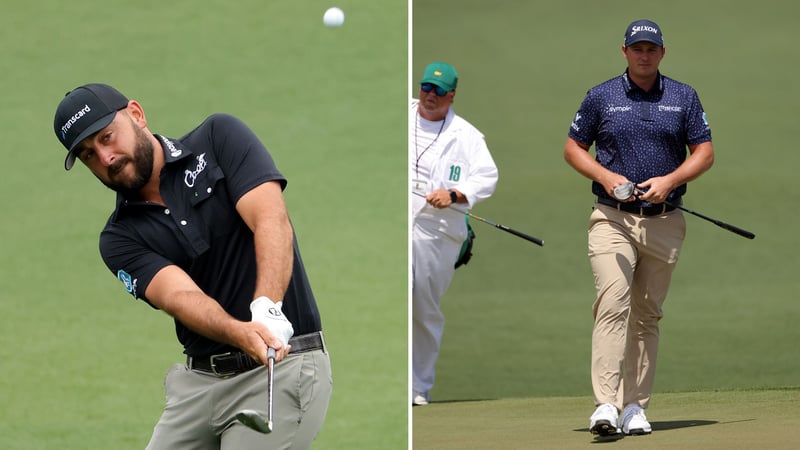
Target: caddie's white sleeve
<point>482,178</point>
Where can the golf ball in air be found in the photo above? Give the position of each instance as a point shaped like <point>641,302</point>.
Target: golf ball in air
<point>334,17</point>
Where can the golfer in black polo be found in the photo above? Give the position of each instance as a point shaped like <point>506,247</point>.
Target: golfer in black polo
<point>201,231</point>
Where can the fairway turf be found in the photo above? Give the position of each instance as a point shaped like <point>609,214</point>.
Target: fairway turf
<point>518,317</point>
<point>83,362</point>
<point>697,420</point>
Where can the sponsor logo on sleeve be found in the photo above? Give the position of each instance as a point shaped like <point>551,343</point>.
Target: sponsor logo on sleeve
<point>128,281</point>
<point>574,125</point>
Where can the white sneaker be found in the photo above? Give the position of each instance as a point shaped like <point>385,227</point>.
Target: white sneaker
<point>634,422</point>
<point>605,420</point>
<point>420,399</point>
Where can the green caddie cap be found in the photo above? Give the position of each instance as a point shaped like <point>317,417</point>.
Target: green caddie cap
<point>442,75</point>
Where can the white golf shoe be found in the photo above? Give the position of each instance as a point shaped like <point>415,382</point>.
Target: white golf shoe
<point>605,420</point>
<point>634,422</point>
<point>420,399</point>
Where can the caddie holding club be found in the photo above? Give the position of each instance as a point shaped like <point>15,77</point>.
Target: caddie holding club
<point>450,165</point>
<point>641,124</point>
<point>201,232</point>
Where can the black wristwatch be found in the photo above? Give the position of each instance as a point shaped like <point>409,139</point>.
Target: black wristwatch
<point>453,196</point>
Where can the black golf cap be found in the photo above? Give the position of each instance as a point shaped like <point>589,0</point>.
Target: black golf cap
<point>84,111</point>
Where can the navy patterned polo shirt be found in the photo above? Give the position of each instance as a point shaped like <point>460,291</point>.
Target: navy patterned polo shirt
<point>640,134</point>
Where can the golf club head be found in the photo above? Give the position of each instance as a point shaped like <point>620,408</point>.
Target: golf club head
<point>255,421</point>
<point>624,191</point>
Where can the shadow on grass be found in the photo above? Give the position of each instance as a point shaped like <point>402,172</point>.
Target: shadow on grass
<point>657,426</point>
<point>466,400</point>
<point>675,424</point>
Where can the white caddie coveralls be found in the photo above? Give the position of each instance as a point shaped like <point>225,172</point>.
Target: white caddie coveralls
<point>457,159</point>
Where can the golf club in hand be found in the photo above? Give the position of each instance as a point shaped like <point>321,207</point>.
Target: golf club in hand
<point>252,418</point>
<point>624,191</point>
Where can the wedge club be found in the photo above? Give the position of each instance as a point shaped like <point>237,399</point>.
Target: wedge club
<point>253,419</point>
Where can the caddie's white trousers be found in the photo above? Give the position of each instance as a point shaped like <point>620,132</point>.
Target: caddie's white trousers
<point>434,256</point>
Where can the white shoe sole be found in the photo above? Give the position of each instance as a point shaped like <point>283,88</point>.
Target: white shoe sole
<point>638,432</point>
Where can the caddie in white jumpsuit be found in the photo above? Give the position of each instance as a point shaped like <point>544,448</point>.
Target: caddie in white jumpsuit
<point>450,164</point>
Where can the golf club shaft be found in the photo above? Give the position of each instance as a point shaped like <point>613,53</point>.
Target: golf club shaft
<point>719,223</point>
<point>527,237</point>
<point>270,367</point>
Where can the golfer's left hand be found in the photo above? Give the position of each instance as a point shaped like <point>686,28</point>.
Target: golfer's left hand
<point>655,190</point>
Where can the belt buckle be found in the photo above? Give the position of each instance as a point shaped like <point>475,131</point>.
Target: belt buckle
<point>214,365</point>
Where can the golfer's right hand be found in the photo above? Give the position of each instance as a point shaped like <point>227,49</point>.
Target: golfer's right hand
<point>263,310</point>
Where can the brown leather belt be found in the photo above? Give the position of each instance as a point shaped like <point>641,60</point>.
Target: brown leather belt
<point>236,362</point>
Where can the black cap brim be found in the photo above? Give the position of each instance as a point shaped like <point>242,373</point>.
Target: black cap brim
<point>98,125</point>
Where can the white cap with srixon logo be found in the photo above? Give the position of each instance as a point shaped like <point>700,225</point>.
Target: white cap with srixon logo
<point>643,30</point>
<point>84,111</point>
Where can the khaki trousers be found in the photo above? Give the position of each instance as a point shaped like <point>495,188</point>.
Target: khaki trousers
<point>632,258</point>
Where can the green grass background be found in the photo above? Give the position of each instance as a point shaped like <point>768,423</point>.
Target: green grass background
<point>82,362</point>
<point>519,316</point>
<point>716,420</point>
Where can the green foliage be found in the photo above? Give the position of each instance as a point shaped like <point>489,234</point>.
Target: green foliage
<point>83,362</point>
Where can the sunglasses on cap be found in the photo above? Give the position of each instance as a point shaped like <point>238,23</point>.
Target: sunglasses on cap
<point>427,87</point>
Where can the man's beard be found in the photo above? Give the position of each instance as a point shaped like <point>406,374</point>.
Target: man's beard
<point>142,164</point>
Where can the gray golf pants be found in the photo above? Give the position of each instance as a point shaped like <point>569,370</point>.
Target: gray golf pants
<point>200,411</point>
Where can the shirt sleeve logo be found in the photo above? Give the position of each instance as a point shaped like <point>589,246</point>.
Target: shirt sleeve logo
<point>128,281</point>
<point>574,124</point>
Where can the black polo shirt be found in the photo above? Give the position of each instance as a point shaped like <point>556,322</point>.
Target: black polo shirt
<point>641,134</point>
<point>199,230</point>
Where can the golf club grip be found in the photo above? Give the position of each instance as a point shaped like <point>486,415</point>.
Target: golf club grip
<point>735,229</point>
<point>536,241</point>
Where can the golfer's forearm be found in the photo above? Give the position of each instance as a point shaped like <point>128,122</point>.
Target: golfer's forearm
<point>699,161</point>
<point>203,315</point>
<point>582,161</point>
<point>264,211</point>
<point>274,258</point>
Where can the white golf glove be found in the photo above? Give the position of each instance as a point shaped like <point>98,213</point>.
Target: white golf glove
<point>263,310</point>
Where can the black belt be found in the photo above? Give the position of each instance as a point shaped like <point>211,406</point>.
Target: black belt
<point>236,362</point>
<point>655,210</point>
